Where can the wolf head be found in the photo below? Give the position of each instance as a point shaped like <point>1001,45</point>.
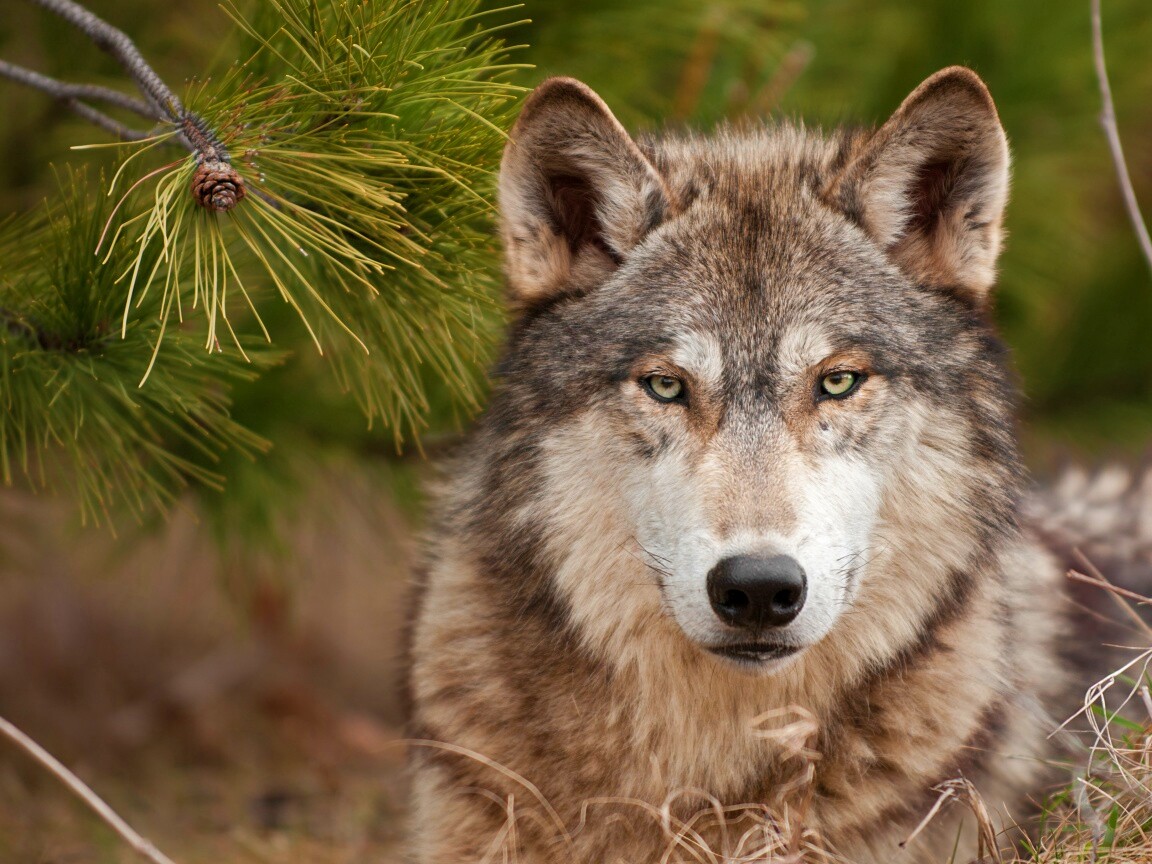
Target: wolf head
<point>751,400</point>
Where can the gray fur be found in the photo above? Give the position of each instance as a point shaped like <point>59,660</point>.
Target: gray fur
<point>562,633</point>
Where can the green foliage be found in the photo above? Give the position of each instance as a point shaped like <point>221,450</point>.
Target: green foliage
<point>668,61</point>
<point>72,415</point>
<point>366,133</point>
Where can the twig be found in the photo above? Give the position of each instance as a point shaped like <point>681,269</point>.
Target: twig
<point>71,94</point>
<point>68,90</point>
<point>1120,595</point>
<point>216,185</point>
<point>140,844</point>
<point>1108,121</point>
<point>102,120</point>
<point>1100,582</point>
<point>117,43</point>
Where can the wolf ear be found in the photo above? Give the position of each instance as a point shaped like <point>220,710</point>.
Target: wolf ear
<point>576,193</point>
<point>931,184</point>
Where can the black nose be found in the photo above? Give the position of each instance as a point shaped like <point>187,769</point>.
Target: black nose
<point>753,592</point>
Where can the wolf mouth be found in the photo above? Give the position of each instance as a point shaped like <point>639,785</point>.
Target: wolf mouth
<point>754,652</point>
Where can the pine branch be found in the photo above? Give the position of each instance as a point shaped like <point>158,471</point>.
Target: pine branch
<point>366,134</point>
<point>1112,132</point>
<point>216,186</point>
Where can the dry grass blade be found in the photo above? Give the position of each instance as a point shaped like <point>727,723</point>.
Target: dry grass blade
<point>1122,596</point>
<point>960,789</point>
<point>1105,815</point>
<point>141,844</point>
<point>507,772</point>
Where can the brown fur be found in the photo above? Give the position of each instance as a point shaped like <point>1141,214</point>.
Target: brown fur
<point>561,692</point>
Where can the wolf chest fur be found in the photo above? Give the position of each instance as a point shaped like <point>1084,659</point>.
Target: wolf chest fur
<point>738,556</point>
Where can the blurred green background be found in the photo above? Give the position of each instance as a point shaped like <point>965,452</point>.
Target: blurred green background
<point>1075,299</point>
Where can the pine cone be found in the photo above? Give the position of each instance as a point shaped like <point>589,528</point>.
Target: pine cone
<point>217,186</point>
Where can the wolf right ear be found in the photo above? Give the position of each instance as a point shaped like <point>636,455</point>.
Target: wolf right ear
<point>576,194</point>
<point>931,184</point>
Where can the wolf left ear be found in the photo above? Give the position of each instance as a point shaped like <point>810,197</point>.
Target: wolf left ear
<point>931,184</point>
<point>576,194</point>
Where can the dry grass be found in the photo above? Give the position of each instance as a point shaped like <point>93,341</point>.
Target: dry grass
<point>1105,815</point>
<point>713,833</point>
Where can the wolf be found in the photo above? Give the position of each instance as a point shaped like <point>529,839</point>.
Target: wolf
<point>741,552</point>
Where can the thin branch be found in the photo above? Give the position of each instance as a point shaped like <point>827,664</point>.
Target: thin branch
<point>101,119</point>
<point>216,185</point>
<point>1108,121</point>
<point>65,90</point>
<point>117,43</point>
<point>143,846</point>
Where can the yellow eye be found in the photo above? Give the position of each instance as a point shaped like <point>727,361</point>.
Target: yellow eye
<point>664,388</point>
<point>839,384</point>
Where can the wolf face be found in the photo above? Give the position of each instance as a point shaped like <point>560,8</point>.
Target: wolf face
<point>740,360</point>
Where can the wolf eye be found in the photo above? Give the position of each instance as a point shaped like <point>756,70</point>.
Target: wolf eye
<point>839,384</point>
<point>664,388</point>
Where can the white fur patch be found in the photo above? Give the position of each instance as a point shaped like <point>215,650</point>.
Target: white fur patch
<point>700,354</point>
<point>836,506</point>
<point>803,345</point>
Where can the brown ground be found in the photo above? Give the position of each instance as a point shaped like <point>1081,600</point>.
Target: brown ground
<point>230,712</point>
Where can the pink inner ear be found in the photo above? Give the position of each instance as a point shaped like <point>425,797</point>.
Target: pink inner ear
<point>930,193</point>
